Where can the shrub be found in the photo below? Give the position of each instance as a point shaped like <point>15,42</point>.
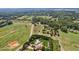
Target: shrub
<point>10,22</point>
<point>64,29</point>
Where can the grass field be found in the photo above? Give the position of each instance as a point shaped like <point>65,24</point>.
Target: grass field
<point>70,41</point>
<point>15,32</point>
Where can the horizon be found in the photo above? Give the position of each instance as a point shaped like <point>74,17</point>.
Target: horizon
<point>37,9</point>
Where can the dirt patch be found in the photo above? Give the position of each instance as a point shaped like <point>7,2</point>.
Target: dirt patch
<point>13,44</point>
<point>76,45</point>
<point>13,31</point>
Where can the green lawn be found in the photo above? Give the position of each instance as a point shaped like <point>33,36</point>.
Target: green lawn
<point>21,34</point>
<point>56,45</point>
<point>70,41</point>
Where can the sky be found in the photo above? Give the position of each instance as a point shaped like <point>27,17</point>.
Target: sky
<point>36,9</point>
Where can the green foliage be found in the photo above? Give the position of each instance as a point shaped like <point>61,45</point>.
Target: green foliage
<point>45,40</point>
<point>10,22</point>
<point>56,46</point>
<point>64,29</point>
<point>51,45</point>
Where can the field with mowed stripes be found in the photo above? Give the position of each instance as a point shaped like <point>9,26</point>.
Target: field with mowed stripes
<point>13,36</point>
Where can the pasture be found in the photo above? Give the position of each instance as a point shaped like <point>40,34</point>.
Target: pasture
<point>70,41</point>
<point>15,35</point>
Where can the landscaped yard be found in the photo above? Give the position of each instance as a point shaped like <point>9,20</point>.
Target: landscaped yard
<point>40,42</point>
<point>70,41</point>
<point>15,35</point>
